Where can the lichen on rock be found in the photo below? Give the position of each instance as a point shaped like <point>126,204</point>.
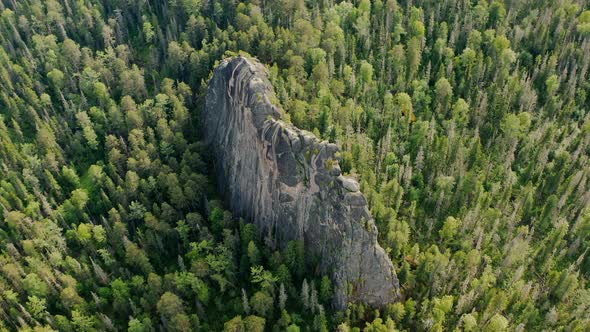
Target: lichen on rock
<point>289,183</point>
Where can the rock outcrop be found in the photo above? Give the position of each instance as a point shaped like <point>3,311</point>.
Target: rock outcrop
<point>289,184</point>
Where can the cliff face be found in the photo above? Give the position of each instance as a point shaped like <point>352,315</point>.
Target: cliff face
<point>289,184</point>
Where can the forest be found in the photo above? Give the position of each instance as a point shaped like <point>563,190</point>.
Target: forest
<point>466,122</point>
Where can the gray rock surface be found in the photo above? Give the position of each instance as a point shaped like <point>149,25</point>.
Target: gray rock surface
<point>289,184</point>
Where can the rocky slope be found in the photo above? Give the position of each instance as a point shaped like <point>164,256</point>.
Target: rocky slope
<point>289,184</point>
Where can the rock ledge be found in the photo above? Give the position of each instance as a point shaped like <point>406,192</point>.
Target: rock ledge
<point>289,184</point>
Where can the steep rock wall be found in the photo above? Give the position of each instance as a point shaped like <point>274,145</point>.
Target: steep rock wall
<point>289,184</point>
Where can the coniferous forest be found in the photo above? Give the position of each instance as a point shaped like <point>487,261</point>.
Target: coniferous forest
<point>466,122</point>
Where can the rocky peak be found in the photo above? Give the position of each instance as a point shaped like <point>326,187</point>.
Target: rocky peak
<point>289,183</point>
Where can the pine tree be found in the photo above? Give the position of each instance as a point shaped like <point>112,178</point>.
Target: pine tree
<point>282,297</point>
<point>305,294</point>
<point>245,304</point>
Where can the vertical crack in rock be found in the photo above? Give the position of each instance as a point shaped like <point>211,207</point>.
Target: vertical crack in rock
<point>289,184</point>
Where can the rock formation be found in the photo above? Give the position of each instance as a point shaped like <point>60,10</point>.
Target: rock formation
<point>289,184</point>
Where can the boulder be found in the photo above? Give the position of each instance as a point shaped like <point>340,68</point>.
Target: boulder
<point>288,182</point>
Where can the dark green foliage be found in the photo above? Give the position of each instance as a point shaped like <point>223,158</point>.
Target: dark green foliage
<point>466,122</point>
